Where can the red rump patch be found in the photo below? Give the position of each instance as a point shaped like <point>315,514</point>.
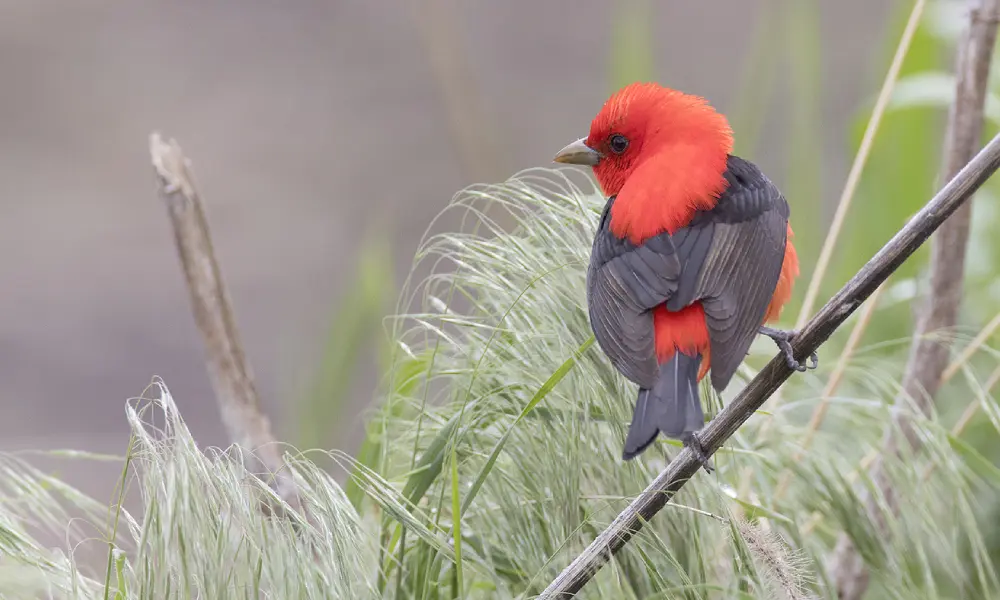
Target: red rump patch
<point>684,331</point>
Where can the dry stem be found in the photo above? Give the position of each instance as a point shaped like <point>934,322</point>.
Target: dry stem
<point>928,357</point>
<point>854,176</point>
<point>227,364</point>
<point>860,159</point>
<point>475,140</point>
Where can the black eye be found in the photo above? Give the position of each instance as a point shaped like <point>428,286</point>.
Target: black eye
<point>618,143</point>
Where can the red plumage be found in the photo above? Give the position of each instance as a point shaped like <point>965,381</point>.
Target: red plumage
<point>673,166</point>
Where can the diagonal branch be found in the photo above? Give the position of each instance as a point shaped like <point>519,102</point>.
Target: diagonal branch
<point>928,356</point>
<point>767,381</point>
<point>227,364</point>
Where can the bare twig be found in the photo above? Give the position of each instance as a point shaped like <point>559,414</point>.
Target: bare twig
<point>227,365</point>
<point>816,331</point>
<point>928,356</point>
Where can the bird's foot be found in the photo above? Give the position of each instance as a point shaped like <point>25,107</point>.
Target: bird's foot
<point>691,442</point>
<point>783,338</point>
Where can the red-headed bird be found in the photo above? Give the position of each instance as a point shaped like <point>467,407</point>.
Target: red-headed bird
<point>693,254</point>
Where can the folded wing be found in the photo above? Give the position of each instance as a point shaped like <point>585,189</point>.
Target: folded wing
<point>624,282</point>
<point>728,258</point>
<point>734,275</point>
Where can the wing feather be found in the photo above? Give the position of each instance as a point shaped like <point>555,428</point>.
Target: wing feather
<point>624,282</point>
<point>740,269</point>
<point>728,258</point>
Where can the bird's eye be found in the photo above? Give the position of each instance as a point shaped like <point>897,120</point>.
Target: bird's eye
<point>618,143</point>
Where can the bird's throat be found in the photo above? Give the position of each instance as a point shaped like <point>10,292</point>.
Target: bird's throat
<point>664,193</point>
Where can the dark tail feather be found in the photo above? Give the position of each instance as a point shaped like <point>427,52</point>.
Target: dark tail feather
<point>672,406</point>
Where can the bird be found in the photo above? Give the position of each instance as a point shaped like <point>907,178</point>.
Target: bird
<point>692,255</point>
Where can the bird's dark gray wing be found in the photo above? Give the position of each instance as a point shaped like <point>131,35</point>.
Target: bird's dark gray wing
<point>728,258</point>
<point>734,266</point>
<point>624,282</point>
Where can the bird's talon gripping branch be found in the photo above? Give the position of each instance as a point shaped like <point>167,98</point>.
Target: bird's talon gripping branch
<point>691,441</point>
<point>783,339</point>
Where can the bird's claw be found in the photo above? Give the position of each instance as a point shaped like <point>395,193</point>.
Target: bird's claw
<point>691,442</point>
<point>783,338</point>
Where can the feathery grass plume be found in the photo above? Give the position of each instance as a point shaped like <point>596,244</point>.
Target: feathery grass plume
<point>500,372</point>
<point>781,570</point>
<point>201,533</point>
<point>498,444</point>
<point>502,429</point>
<point>534,412</point>
<point>34,504</point>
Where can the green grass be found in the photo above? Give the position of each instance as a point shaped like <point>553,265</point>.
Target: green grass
<point>521,424</point>
<point>201,531</point>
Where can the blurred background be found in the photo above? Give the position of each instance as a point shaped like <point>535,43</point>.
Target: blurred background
<point>325,136</point>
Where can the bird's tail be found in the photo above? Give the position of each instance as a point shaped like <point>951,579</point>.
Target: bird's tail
<point>671,406</point>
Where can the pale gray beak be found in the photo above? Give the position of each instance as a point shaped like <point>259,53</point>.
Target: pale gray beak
<point>578,153</point>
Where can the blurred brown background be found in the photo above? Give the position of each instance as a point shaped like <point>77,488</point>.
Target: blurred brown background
<point>306,122</point>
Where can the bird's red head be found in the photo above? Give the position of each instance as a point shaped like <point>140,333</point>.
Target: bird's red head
<point>661,152</point>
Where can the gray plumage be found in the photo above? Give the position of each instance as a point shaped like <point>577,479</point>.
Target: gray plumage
<point>728,258</point>
<point>672,405</point>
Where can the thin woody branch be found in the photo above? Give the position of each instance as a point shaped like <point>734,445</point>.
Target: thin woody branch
<point>929,356</point>
<point>227,364</point>
<point>767,381</point>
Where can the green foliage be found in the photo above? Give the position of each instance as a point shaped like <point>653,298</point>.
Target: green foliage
<point>535,420</point>
<point>356,327</point>
<point>802,185</point>
<point>632,52</point>
<point>495,457</point>
<point>902,169</point>
<point>201,532</point>
<point>757,77</point>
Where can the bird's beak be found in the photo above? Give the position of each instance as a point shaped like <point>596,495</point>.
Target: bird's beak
<point>578,153</point>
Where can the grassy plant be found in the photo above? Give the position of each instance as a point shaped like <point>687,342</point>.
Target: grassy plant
<point>515,319</point>
<point>495,457</point>
<point>201,532</point>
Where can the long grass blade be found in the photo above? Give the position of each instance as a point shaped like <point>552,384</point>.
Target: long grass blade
<point>549,384</point>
